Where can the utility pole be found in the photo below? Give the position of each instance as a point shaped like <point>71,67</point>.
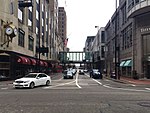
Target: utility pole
<point>116,45</point>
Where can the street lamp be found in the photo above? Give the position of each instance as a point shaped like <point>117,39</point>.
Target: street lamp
<point>98,48</point>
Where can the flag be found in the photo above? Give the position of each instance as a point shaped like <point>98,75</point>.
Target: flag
<point>65,42</point>
<point>96,26</point>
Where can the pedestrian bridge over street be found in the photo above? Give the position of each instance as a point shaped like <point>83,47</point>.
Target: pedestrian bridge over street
<point>75,57</point>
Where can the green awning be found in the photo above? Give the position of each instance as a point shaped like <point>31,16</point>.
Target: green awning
<point>128,63</point>
<point>122,63</point>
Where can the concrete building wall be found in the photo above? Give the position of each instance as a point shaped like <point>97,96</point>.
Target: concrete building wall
<point>134,29</point>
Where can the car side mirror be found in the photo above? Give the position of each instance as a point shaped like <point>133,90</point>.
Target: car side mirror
<point>37,77</point>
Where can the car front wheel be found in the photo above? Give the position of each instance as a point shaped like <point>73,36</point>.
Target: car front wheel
<point>47,83</point>
<point>32,85</point>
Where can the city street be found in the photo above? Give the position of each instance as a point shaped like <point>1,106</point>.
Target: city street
<point>81,94</point>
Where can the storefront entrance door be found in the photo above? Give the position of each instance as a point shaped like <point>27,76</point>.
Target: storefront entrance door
<point>146,54</point>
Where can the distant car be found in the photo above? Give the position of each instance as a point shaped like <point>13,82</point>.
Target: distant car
<point>31,80</point>
<point>96,74</point>
<point>3,78</point>
<point>85,70</point>
<point>68,74</point>
<point>74,71</point>
<point>81,72</point>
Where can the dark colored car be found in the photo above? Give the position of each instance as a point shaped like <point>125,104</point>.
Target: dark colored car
<point>96,74</point>
<point>81,72</point>
<point>68,74</point>
<point>4,78</point>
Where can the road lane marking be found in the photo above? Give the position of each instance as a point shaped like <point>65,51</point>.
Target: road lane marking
<point>147,88</point>
<point>106,85</point>
<point>94,80</point>
<point>77,81</point>
<point>132,85</point>
<point>4,88</point>
<point>59,85</point>
<point>97,81</point>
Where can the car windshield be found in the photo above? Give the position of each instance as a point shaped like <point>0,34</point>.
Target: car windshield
<point>30,76</point>
<point>95,70</point>
<point>69,72</point>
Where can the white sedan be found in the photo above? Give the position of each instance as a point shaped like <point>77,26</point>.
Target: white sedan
<point>31,80</point>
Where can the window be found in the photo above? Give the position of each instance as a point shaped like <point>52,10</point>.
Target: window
<point>20,15</point>
<point>37,15</point>
<point>30,43</point>
<point>103,37</point>
<point>21,38</point>
<point>127,37</point>
<point>124,14</point>
<point>37,30</point>
<point>29,22</point>
<point>103,51</point>
<point>37,1</point>
<point>30,18</point>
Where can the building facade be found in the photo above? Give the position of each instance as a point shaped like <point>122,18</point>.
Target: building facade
<point>54,30</point>
<point>62,28</point>
<point>127,35</point>
<point>28,36</point>
<point>98,49</point>
<point>88,48</point>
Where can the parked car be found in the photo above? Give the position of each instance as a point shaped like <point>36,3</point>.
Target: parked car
<point>81,72</point>
<point>96,74</point>
<point>68,74</point>
<point>31,80</point>
<point>2,78</point>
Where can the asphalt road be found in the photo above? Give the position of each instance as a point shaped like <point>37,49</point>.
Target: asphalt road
<point>79,95</point>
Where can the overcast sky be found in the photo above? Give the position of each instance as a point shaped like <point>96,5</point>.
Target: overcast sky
<point>83,16</point>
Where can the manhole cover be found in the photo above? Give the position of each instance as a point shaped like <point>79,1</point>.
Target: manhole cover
<point>144,104</point>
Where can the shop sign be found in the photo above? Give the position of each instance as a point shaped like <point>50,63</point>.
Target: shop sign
<point>145,29</point>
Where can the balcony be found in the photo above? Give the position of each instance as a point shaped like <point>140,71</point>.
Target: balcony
<point>138,8</point>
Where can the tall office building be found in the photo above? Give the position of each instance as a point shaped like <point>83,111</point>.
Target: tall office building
<point>25,29</point>
<point>62,28</point>
<point>54,29</point>
<point>127,35</point>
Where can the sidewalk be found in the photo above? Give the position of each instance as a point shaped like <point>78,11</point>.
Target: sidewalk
<point>6,82</point>
<point>134,81</point>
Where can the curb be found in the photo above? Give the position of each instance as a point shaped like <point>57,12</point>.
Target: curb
<point>138,82</point>
<point>120,81</point>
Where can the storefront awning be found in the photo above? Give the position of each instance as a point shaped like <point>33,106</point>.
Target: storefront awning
<point>128,63</point>
<point>4,54</point>
<point>45,64</point>
<point>122,63</point>
<point>33,61</point>
<point>23,60</point>
<point>41,63</point>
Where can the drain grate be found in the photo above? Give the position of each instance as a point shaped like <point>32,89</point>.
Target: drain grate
<point>144,104</point>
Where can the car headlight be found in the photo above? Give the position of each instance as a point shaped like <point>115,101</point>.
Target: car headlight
<point>26,81</point>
